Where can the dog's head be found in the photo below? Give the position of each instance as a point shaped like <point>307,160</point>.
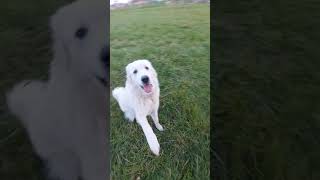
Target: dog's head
<point>81,37</point>
<point>142,75</point>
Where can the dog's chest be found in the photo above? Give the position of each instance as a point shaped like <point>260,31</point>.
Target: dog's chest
<point>148,105</point>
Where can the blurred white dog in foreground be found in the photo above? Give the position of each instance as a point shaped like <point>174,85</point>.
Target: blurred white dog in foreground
<point>140,98</point>
<point>66,117</point>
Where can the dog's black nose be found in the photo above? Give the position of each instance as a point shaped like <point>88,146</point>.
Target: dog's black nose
<point>145,79</point>
<point>105,56</point>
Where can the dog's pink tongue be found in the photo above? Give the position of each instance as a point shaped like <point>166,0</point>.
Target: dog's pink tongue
<point>147,88</point>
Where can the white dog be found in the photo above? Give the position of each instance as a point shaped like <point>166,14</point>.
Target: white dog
<point>140,98</point>
<point>66,117</point>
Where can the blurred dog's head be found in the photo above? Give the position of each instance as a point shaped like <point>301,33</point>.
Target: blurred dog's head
<point>142,75</point>
<point>81,37</point>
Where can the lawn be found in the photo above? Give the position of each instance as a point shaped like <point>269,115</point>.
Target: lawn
<point>266,80</point>
<point>176,39</point>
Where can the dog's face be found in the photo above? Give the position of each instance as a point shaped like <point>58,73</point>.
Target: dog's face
<point>81,37</point>
<point>141,74</point>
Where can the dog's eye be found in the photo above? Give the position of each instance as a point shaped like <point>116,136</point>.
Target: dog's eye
<point>135,72</point>
<point>81,32</point>
<point>147,68</point>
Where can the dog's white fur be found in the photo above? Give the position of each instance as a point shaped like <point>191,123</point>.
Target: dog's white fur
<point>65,117</point>
<point>137,104</point>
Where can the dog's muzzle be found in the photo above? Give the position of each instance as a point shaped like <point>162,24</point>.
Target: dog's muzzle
<point>147,87</point>
<point>105,57</point>
<point>145,79</point>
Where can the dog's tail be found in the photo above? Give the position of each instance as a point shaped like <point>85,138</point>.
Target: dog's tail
<point>24,97</point>
<point>117,91</point>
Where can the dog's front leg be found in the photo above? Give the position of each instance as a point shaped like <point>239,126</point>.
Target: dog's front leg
<point>155,119</point>
<point>150,136</point>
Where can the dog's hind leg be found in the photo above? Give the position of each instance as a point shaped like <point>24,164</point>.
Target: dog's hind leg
<point>155,119</point>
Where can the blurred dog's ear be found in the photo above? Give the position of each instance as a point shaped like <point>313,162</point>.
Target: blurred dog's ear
<point>61,56</point>
<point>128,69</point>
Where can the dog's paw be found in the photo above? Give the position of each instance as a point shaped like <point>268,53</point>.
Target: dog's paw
<point>155,148</point>
<point>159,127</point>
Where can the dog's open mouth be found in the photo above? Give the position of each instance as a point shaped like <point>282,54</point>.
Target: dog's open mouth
<point>147,88</point>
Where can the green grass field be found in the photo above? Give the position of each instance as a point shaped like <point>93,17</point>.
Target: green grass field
<point>266,123</point>
<point>176,39</point>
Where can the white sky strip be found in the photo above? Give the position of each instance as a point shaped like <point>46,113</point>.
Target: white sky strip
<point>119,1</point>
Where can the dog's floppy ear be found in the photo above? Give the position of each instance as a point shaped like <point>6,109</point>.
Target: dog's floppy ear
<point>60,50</point>
<point>129,73</point>
<point>128,69</point>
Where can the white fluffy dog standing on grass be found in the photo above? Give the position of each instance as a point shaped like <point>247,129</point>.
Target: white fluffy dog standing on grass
<point>140,98</point>
<point>66,116</point>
